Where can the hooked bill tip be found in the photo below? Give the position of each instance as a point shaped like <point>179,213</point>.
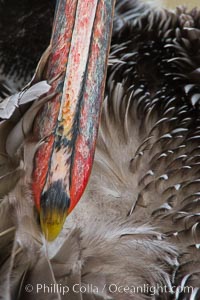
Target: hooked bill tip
<point>52,224</point>
<point>53,210</point>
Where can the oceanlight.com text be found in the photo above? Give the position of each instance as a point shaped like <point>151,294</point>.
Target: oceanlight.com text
<point>107,288</point>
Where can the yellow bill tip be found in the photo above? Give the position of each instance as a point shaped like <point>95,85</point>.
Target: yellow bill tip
<point>52,224</point>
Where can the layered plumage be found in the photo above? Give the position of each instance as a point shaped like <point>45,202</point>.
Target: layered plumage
<point>138,221</point>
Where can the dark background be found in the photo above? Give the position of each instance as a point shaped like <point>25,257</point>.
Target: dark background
<point>25,30</point>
